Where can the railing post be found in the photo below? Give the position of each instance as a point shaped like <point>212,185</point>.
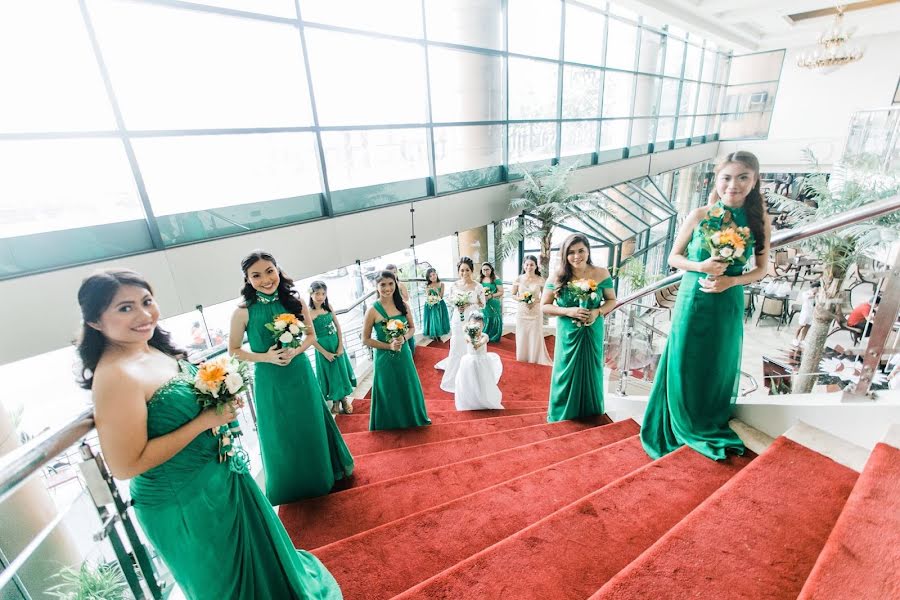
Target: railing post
<point>625,349</point>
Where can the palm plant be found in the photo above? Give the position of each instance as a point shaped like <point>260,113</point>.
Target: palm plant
<point>837,250</point>
<point>105,582</point>
<point>544,205</point>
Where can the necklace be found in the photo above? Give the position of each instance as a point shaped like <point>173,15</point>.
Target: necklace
<point>265,299</point>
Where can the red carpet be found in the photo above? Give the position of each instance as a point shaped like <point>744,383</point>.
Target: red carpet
<point>861,558</point>
<point>502,504</point>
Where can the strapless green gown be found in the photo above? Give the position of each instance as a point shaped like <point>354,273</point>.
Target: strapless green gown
<point>698,376</point>
<point>397,399</point>
<point>336,378</point>
<point>212,526</point>
<point>576,386</point>
<point>303,452</point>
<point>435,319</point>
<point>493,313</point>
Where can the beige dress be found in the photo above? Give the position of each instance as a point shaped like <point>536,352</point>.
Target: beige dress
<point>530,326</point>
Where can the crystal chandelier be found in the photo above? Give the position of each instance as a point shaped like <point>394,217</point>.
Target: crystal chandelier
<point>833,50</point>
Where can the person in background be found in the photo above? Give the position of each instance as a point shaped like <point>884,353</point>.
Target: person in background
<point>807,304</point>
<point>858,317</point>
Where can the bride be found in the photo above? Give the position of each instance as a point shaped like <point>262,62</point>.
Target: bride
<point>479,371</point>
<point>466,297</point>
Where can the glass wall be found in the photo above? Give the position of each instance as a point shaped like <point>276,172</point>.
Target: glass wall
<point>750,95</point>
<point>285,111</point>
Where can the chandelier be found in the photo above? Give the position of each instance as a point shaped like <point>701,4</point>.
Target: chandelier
<point>833,50</point>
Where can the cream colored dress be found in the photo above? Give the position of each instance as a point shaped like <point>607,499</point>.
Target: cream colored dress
<point>530,346</point>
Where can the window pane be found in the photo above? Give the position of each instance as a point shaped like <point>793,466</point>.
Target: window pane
<point>621,45</point>
<point>722,68</point>
<point>48,185</point>
<point>669,99</point>
<point>584,35</point>
<point>581,92</point>
<point>380,81</point>
<point>748,125</point>
<point>58,87</point>
<point>704,99</point>
<point>718,96</point>
<point>709,66</point>
<point>684,127</point>
<point>765,66</point>
<point>616,9</point>
<point>665,128</point>
<point>363,158</point>
<point>532,89</point>
<point>467,157</point>
<point>470,22</point>
<point>752,97</point>
<point>642,131</point>
<point>688,98</point>
<point>211,171</point>
<point>396,17</point>
<point>614,134</point>
<point>692,62</point>
<point>651,52</point>
<point>617,94</point>
<point>531,142</point>
<point>700,125</point>
<point>207,73</point>
<point>579,137</point>
<point>278,8</point>
<point>674,56</point>
<point>534,27</point>
<point>645,96</point>
<point>465,86</point>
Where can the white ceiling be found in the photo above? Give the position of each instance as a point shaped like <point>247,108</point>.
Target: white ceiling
<point>751,25</point>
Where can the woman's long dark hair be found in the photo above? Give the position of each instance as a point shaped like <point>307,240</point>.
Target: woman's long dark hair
<point>754,206</point>
<point>537,265</point>
<point>465,260</point>
<point>565,275</point>
<point>314,287</point>
<point>398,297</point>
<point>492,277</point>
<point>437,278</point>
<point>287,295</point>
<point>94,297</point>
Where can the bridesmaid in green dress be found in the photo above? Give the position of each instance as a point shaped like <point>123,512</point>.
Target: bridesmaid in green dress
<point>576,388</point>
<point>207,519</point>
<point>436,319</point>
<point>404,293</point>
<point>397,399</point>
<point>699,370</point>
<point>493,308</point>
<point>303,452</point>
<point>333,370</point>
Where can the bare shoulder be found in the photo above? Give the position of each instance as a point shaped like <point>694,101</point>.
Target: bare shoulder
<point>240,313</point>
<point>600,273</point>
<point>113,383</point>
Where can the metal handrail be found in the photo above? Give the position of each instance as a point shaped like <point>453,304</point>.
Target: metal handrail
<point>785,237</point>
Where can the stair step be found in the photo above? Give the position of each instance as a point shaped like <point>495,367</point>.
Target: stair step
<point>373,505</point>
<point>385,561</point>
<point>368,442</point>
<point>572,552</point>
<point>757,537</point>
<point>372,468</point>
<point>363,406</point>
<point>862,554</point>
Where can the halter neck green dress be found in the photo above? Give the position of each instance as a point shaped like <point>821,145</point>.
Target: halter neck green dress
<point>698,375</point>
<point>211,525</point>
<point>303,452</point>
<point>493,313</point>
<point>576,386</point>
<point>336,378</point>
<point>435,319</point>
<point>397,399</point>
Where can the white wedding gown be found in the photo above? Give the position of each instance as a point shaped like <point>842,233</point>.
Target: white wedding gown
<point>450,365</point>
<point>476,380</point>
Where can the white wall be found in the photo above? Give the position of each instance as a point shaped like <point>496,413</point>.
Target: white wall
<point>813,108</point>
<point>38,313</point>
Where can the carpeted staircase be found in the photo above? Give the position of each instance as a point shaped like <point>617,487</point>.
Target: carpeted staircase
<point>501,504</point>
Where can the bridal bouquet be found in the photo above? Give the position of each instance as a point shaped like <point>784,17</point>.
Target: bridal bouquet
<point>287,330</point>
<point>724,239</point>
<point>395,328</point>
<point>462,300</point>
<point>527,298</point>
<point>218,382</point>
<point>585,291</point>
<point>474,333</point>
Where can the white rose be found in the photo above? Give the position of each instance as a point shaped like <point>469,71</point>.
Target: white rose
<point>715,238</point>
<point>392,326</point>
<point>593,295</point>
<point>583,285</point>
<point>280,325</point>
<point>726,252</point>
<point>286,338</point>
<point>233,383</point>
<point>294,329</point>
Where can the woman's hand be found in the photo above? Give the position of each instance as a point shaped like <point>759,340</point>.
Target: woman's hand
<point>329,356</point>
<point>279,357</point>
<point>594,315</point>
<point>396,344</point>
<point>717,285</point>
<point>578,313</point>
<point>340,351</point>
<point>211,419</point>
<point>713,267</point>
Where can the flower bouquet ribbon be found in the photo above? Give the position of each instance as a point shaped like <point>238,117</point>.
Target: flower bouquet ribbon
<point>218,382</point>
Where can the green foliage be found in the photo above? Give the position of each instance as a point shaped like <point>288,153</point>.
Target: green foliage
<point>635,273</point>
<point>105,582</point>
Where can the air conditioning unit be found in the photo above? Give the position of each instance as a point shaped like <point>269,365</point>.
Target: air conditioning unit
<point>758,101</point>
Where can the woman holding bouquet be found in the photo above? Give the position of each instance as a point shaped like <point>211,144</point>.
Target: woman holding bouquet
<point>580,302</point>
<point>302,450</point>
<point>493,308</point>
<point>467,296</point>
<point>436,320</point>
<point>397,399</point>
<point>198,511</point>
<point>333,369</point>
<point>699,370</point>
<point>530,345</point>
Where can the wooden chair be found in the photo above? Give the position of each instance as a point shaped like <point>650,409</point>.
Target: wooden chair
<point>840,322</point>
<point>772,308</point>
<point>665,298</point>
<point>749,304</point>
